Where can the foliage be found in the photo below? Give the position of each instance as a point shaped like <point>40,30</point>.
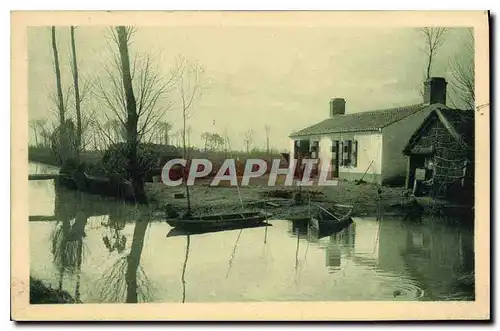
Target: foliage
<point>42,294</point>
<point>150,156</point>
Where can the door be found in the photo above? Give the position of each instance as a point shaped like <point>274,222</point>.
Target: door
<point>335,159</point>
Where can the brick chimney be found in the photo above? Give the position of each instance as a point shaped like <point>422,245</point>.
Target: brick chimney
<point>337,106</point>
<point>435,90</point>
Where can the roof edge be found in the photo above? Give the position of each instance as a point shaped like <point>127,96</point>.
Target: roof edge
<point>423,106</point>
<point>334,132</point>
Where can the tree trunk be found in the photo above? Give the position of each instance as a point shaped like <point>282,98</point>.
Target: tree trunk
<point>135,173</point>
<point>62,148</point>
<point>134,258</point>
<point>60,100</point>
<point>188,198</point>
<point>77,96</point>
<point>184,266</point>
<point>429,64</point>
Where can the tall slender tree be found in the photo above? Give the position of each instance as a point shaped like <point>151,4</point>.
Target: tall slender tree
<point>77,94</point>
<point>122,38</point>
<point>57,70</point>
<point>190,89</point>
<point>433,39</point>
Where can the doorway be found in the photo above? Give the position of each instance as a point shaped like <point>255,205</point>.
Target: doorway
<point>335,162</point>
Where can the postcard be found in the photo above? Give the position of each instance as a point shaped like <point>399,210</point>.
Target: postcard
<point>251,166</point>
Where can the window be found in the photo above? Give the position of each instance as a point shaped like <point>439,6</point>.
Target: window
<point>314,149</point>
<point>349,153</point>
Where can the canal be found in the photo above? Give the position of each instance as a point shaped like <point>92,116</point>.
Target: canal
<point>100,250</point>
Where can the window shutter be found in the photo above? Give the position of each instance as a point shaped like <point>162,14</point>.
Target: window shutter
<point>354,153</point>
<point>335,144</point>
<point>346,153</point>
<point>341,152</point>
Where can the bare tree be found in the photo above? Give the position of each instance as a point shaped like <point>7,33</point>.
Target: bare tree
<point>213,141</point>
<point>122,39</point>
<point>166,127</point>
<point>189,130</point>
<point>434,39</point>
<point>57,70</point>
<point>268,129</point>
<point>38,127</point>
<point>62,143</point>
<point>226,142</point>
<point>136,93</point>
<point>248,139</point>
<point>462,72</point>
<point>190,88</point>
<point>77,95</point>
<point>151,88</point>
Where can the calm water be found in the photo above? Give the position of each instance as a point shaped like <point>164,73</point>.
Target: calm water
<point>103,251</point>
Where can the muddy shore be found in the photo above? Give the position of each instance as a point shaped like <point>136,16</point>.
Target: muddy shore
<point>205,198</point>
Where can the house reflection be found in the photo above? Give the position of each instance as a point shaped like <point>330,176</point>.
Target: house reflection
<point>299,227</point>
<point>439,257</point>
<point>340,244</point>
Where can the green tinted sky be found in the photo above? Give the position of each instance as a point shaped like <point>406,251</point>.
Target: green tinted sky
<point>279,76</point>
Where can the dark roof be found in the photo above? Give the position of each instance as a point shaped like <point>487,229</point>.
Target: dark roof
<point>459,123</point>
<point>363,121</point>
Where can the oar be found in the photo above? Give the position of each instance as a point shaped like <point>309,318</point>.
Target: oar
<point>361,179</point>
<point>326,211</point>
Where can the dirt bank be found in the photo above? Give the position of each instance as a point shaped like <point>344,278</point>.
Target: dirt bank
<point>364,197</point>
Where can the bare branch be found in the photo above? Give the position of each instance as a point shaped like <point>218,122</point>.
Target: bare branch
<point>434,39</point>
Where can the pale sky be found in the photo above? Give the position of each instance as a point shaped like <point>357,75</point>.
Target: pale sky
<point>282,77</point>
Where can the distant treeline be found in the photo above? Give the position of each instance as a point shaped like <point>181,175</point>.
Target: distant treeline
<point>94,158</point>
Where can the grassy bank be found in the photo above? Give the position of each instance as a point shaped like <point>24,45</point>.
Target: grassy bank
<point>43,294</point>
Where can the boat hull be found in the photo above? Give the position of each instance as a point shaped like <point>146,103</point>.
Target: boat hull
<point>179,231</point>
<point>98,186</point>
<point>222,221</point>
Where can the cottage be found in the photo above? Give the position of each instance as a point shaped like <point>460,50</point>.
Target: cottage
<point>367,144</point>
<point>441,155</point>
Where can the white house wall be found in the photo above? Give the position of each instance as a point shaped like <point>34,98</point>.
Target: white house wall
<point>291,149</point>
<point>369,148</point>
<point>395,138</point>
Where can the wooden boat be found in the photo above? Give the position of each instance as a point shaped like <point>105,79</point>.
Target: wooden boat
<point>97,185</point>
<point>176,232</point>
<point>330,220</point>
<point>219,221</point>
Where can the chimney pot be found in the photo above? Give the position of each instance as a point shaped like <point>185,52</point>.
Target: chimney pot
<point>337,106</point>
<point>435,91</point>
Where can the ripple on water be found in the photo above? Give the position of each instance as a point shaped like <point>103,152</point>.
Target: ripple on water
<point>398,287</point>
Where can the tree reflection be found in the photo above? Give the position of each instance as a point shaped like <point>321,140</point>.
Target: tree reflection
<point>113,238</point>
<point>67,238</point>
<point>184,266</point>
<point>126,280</point>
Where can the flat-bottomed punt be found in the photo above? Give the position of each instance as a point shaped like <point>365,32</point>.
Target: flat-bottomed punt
<point>219,221</point>
<point>176,232</point>
<point>331,220</point>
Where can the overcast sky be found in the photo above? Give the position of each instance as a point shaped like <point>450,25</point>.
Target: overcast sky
<point>256,76</point>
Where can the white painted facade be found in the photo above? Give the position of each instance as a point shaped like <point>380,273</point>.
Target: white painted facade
<point>383,147</point>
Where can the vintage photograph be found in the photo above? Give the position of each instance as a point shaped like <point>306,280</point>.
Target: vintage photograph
<point>252,163</point>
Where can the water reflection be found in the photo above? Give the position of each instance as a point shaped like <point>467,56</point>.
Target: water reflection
<point>125,280</point>
<point>67,240</point>
<point>184,266</point>
<point>91,241</point>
